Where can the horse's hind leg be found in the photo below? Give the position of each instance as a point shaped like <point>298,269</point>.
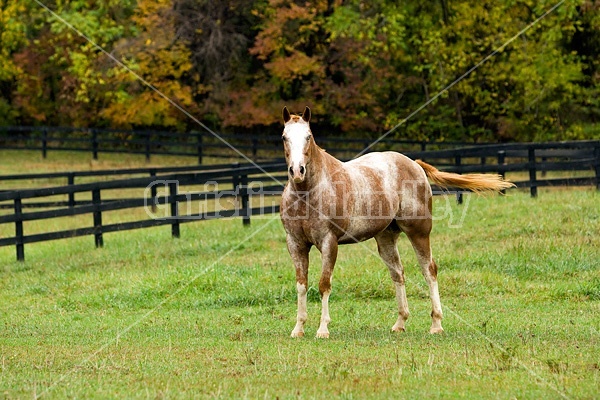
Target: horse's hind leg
<point>386,245</point>
<point>421,245</point>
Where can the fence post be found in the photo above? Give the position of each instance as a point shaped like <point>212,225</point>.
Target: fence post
<point>94,144</point>
<point>254,147</point>
<point>543,173</point>
<point>244,203</point>
<point>199,147</point>
<point>148,134</point>
<point>19,230</point>
<point>532,172</point>
<point>597,165</point>
<point>240,186</point>
<point>71,182</point>
<point>235,179</point>
<point>97,202</point>
<point>174,208</point>
<point>459,195</point>
<point>44,142</point>
<point>501,161</point>
<point>153,190</point>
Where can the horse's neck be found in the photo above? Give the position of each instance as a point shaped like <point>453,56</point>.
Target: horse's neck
<point>327,164</point>
<point>320,169</point>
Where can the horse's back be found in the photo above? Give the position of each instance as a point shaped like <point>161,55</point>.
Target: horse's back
<point>403,182</point>
<point>392,166</point>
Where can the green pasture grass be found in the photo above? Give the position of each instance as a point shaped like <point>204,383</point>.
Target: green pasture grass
<point>209,315</point>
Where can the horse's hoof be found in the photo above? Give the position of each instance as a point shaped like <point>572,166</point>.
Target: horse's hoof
<point>436,330</point>
<point>297,334</point>
<point>398,329</point>
<point>322,335</point>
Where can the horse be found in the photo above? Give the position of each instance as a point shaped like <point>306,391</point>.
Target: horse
<point>327,202</point>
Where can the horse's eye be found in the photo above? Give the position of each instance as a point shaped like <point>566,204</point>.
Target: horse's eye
<point>308,138</point>
<point>284,138</point>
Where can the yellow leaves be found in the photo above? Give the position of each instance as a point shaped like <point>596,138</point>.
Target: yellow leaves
<point>162,61</point>
<point>296,65</point>
<point>148,108</point>
<point>12,36</point>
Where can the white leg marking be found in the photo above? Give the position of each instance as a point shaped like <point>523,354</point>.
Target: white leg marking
<point>403,312</point>
<point>302,313</point>
<point>436,313</point>
<point>434,294</point>
<point>323,332</point>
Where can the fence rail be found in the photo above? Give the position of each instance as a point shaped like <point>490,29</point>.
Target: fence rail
<point>238,179</point>
<point>193,144</point>
<point>239,184</point>
<point>154,172</point>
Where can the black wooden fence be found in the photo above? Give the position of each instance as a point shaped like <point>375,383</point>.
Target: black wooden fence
<point>536,159</point>
<point>242,183</point>
<point>577,162</point>
<point>73,177</point>
<point>193,144</point>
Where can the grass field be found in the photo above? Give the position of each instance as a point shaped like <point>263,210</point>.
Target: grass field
<point>209,315</point>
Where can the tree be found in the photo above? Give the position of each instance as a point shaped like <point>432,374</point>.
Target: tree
<point>12,37</point>
<point>156,55</point>
<point>363,67</point>
<point>288,54</point>
<point>59,81</point>
<point>522,93</point>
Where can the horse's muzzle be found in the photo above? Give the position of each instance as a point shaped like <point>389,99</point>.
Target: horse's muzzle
<point>297,174</point>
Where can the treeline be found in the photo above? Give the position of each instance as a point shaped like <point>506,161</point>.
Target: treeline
<point>362,66</point>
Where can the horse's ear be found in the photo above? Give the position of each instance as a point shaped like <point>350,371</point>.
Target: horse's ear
<point>286,115</point>
<point>306,114</point>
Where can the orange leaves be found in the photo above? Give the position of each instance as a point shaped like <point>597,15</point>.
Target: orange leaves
<point>286,25</point>
<point>287,41</point>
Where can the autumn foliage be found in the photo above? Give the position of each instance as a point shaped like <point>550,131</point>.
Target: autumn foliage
<point>362,66</point>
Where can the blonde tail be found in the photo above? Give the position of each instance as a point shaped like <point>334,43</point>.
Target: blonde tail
<point>475,182</point>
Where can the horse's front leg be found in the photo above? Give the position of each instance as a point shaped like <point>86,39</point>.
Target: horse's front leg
<point>299,253</point>
<point>329,250</point>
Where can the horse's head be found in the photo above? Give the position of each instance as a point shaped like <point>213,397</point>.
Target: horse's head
<point>296,143</point>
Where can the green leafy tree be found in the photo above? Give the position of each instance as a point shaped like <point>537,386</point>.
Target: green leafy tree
<point>363,67</point>
<point>62,75</point>
<point>12,38</point>
<point>156,56</point>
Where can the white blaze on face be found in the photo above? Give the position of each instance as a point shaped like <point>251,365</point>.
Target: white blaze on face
<point>297,137</point>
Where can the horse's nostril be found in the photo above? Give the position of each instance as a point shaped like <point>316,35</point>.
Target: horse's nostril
<point>301,169</point>
<point>291,171</point>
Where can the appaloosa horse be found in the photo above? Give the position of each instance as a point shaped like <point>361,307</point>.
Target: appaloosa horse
<point>327,202</point>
